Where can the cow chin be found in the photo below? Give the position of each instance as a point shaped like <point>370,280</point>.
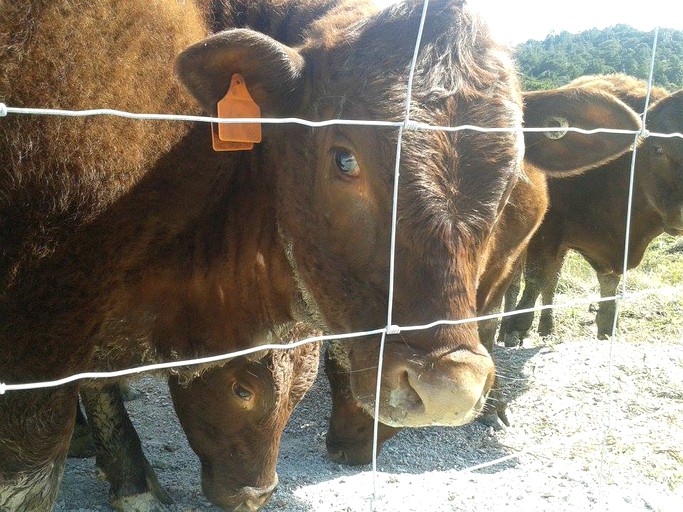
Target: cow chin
<point>449,390</point>
<point>674,226</point>
<point>247,499</point>
<point>673,231</point>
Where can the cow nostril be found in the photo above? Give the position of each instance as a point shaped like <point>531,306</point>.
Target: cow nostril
<point>255,503</point>
<point>404,397</point>
<point>401,401</point>
<point>482,401</point>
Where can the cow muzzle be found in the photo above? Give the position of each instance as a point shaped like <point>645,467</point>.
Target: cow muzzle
<point>449,390</point>
<point>247,499</point>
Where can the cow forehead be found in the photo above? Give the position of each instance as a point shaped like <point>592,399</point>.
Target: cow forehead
<point>435,162</point>
<point>374,55</point>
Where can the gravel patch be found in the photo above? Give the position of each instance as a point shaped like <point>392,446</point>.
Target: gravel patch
<point>579,441</point>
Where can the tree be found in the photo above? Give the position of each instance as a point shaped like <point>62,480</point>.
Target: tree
<point>562,57</point>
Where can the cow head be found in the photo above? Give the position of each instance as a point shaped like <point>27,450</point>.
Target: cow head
<point>335,187</point>
<point>548,153</point>
<point>234,416</point>
<point>661,162</point>
<point>659,166</point>
<point>555,153</point>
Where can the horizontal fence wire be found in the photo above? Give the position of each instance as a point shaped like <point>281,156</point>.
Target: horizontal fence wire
<point>390,328</point>
<point>407,124</point>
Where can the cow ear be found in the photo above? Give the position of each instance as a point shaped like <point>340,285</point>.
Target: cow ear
<point>273,72</point>
<point>566,152</point>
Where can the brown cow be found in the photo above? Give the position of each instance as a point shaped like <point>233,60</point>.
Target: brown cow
<point>131,242</point>
<point>126,468</point>
<point>233,416</point>
<point>588,213</point>
<point>349,437</point>
<point>245,426</point>
<point>284,378</point>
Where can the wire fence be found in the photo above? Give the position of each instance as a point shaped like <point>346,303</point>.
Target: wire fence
<point>390,328</point>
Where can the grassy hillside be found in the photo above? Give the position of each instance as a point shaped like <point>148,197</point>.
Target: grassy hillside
<point>560,58</point>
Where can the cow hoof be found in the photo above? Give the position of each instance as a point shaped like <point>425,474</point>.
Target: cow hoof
<point>512,339</point>
<point>155,487</point>
<point>145,502</point>
<point>503,416</point>
<point>343,457</point>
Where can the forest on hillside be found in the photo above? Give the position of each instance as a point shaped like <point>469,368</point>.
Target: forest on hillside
<point>619,49</point>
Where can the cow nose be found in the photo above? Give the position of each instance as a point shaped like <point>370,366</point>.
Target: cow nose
<point>247,499</point>
<point>449,391</point>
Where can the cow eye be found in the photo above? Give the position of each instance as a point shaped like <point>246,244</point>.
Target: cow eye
<point>241,392</point>
<point>658,150</point>
<point>346,162</point>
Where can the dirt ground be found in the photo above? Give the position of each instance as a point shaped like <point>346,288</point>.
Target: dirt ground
<point>595,426</point>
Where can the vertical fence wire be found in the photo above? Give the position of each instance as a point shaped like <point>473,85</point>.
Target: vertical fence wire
<point>624,275</point>
<point>392,255</point>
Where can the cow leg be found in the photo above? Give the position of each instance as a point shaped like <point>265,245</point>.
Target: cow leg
<point>495,411</point>
<point>82,444</point>
<point>349,437</point>
<point>127,393</point>
<point>546,324</point>
<point>517,326</point>
<point>544,260</point>
<point>487,328</point>
<point>133,484</point>
<point>510,300</point>
<point>35,428</point>
<point>607,310</point>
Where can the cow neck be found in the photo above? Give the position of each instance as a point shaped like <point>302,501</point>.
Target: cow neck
<point>219,279</point>
<point>596,203</point>
<point>304,307</point>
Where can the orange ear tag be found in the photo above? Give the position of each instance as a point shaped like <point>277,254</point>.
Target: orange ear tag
<point>237,103</point>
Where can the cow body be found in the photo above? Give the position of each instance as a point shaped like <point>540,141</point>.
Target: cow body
<point>588,213</point>
<point>65,191</point>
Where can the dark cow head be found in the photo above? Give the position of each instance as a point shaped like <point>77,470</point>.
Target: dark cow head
<point>335,188</point>
<point>662,162</point>
<point>234,416</point>
<point>659,167</point>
